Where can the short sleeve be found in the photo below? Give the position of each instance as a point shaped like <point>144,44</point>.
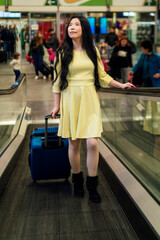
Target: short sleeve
<point>56,85</point>
<point>104,78</point>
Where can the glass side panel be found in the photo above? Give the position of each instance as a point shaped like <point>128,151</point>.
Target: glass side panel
<point>131,127</point>
<point>11,111</point>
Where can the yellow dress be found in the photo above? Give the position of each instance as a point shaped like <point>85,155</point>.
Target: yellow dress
<point>79,106</point>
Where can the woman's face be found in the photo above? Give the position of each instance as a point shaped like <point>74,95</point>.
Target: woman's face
<point>75,29</point>
<point>124,42</point>
<point>40,35</point>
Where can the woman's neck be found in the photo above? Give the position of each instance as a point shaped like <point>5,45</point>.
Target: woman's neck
<point>77,45</point>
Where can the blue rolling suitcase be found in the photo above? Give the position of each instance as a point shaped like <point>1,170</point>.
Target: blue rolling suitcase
<point>48,158</point>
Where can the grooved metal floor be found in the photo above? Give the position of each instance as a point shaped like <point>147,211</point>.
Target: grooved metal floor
<point>48,210</point>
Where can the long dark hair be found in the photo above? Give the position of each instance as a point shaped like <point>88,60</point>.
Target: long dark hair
<point>65,52</point>
<point>39,41</point>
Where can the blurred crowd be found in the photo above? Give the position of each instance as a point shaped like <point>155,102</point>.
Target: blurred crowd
<point>116,53</point>
<point>9,35</point>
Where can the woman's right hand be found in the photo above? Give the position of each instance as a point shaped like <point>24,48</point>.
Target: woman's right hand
<point>55,111</point>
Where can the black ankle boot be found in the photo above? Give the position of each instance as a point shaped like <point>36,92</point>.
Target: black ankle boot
<point>92,183</point>
<point>77,179</point>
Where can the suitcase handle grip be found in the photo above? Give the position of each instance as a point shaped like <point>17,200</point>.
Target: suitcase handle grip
<point>46,126</point>
<point>50,116</point>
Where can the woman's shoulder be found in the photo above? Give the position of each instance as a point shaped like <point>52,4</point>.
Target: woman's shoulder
<point>96,48</point>
<point>97,52</point>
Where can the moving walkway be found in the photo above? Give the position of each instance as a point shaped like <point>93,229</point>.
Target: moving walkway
<point>128,176</point>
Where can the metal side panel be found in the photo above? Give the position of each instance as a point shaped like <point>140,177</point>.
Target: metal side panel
<point>141,198</point>
<point>9,158</point>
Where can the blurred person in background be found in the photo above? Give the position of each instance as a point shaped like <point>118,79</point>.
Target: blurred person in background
<point>53,43</point>
<point>150,62</point>
<point>22,37</point>
<point>111,39</point>
<point>12,42</point>
<point>15,64</point>
<point>121,61</point>
<point>53,40</point>
<point>37,53</point>
<point>97,33</point>
<point>5,38</point>
<point>103,49</point>
<point>133,45</point>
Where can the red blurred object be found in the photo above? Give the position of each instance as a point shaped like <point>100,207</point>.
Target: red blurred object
<point>105,64</point>
<point>29,59</point>
<point>44,27</point>
<point>51,54</point>
<point>130,80</point>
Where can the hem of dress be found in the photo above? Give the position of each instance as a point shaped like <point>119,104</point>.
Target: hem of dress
<point>79,137</point>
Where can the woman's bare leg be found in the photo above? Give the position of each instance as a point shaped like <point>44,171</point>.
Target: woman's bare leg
<point>74,154</point>
<point>77,176</point>
<point>92,165</point>
<point>92,156</point>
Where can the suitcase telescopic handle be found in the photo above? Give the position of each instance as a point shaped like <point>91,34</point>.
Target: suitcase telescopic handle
<point>46,127</point>
<point>50,116</point>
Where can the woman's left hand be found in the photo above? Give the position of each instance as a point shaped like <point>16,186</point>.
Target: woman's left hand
<point>127,85</point>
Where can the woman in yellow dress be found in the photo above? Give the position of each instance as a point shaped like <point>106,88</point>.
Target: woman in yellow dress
<point>79,73</point>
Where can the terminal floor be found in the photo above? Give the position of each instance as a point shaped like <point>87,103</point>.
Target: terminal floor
<point>48,210</point>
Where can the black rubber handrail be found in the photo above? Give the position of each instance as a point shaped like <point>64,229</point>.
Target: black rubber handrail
<point>14,87</point>
<point>153,91</point>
